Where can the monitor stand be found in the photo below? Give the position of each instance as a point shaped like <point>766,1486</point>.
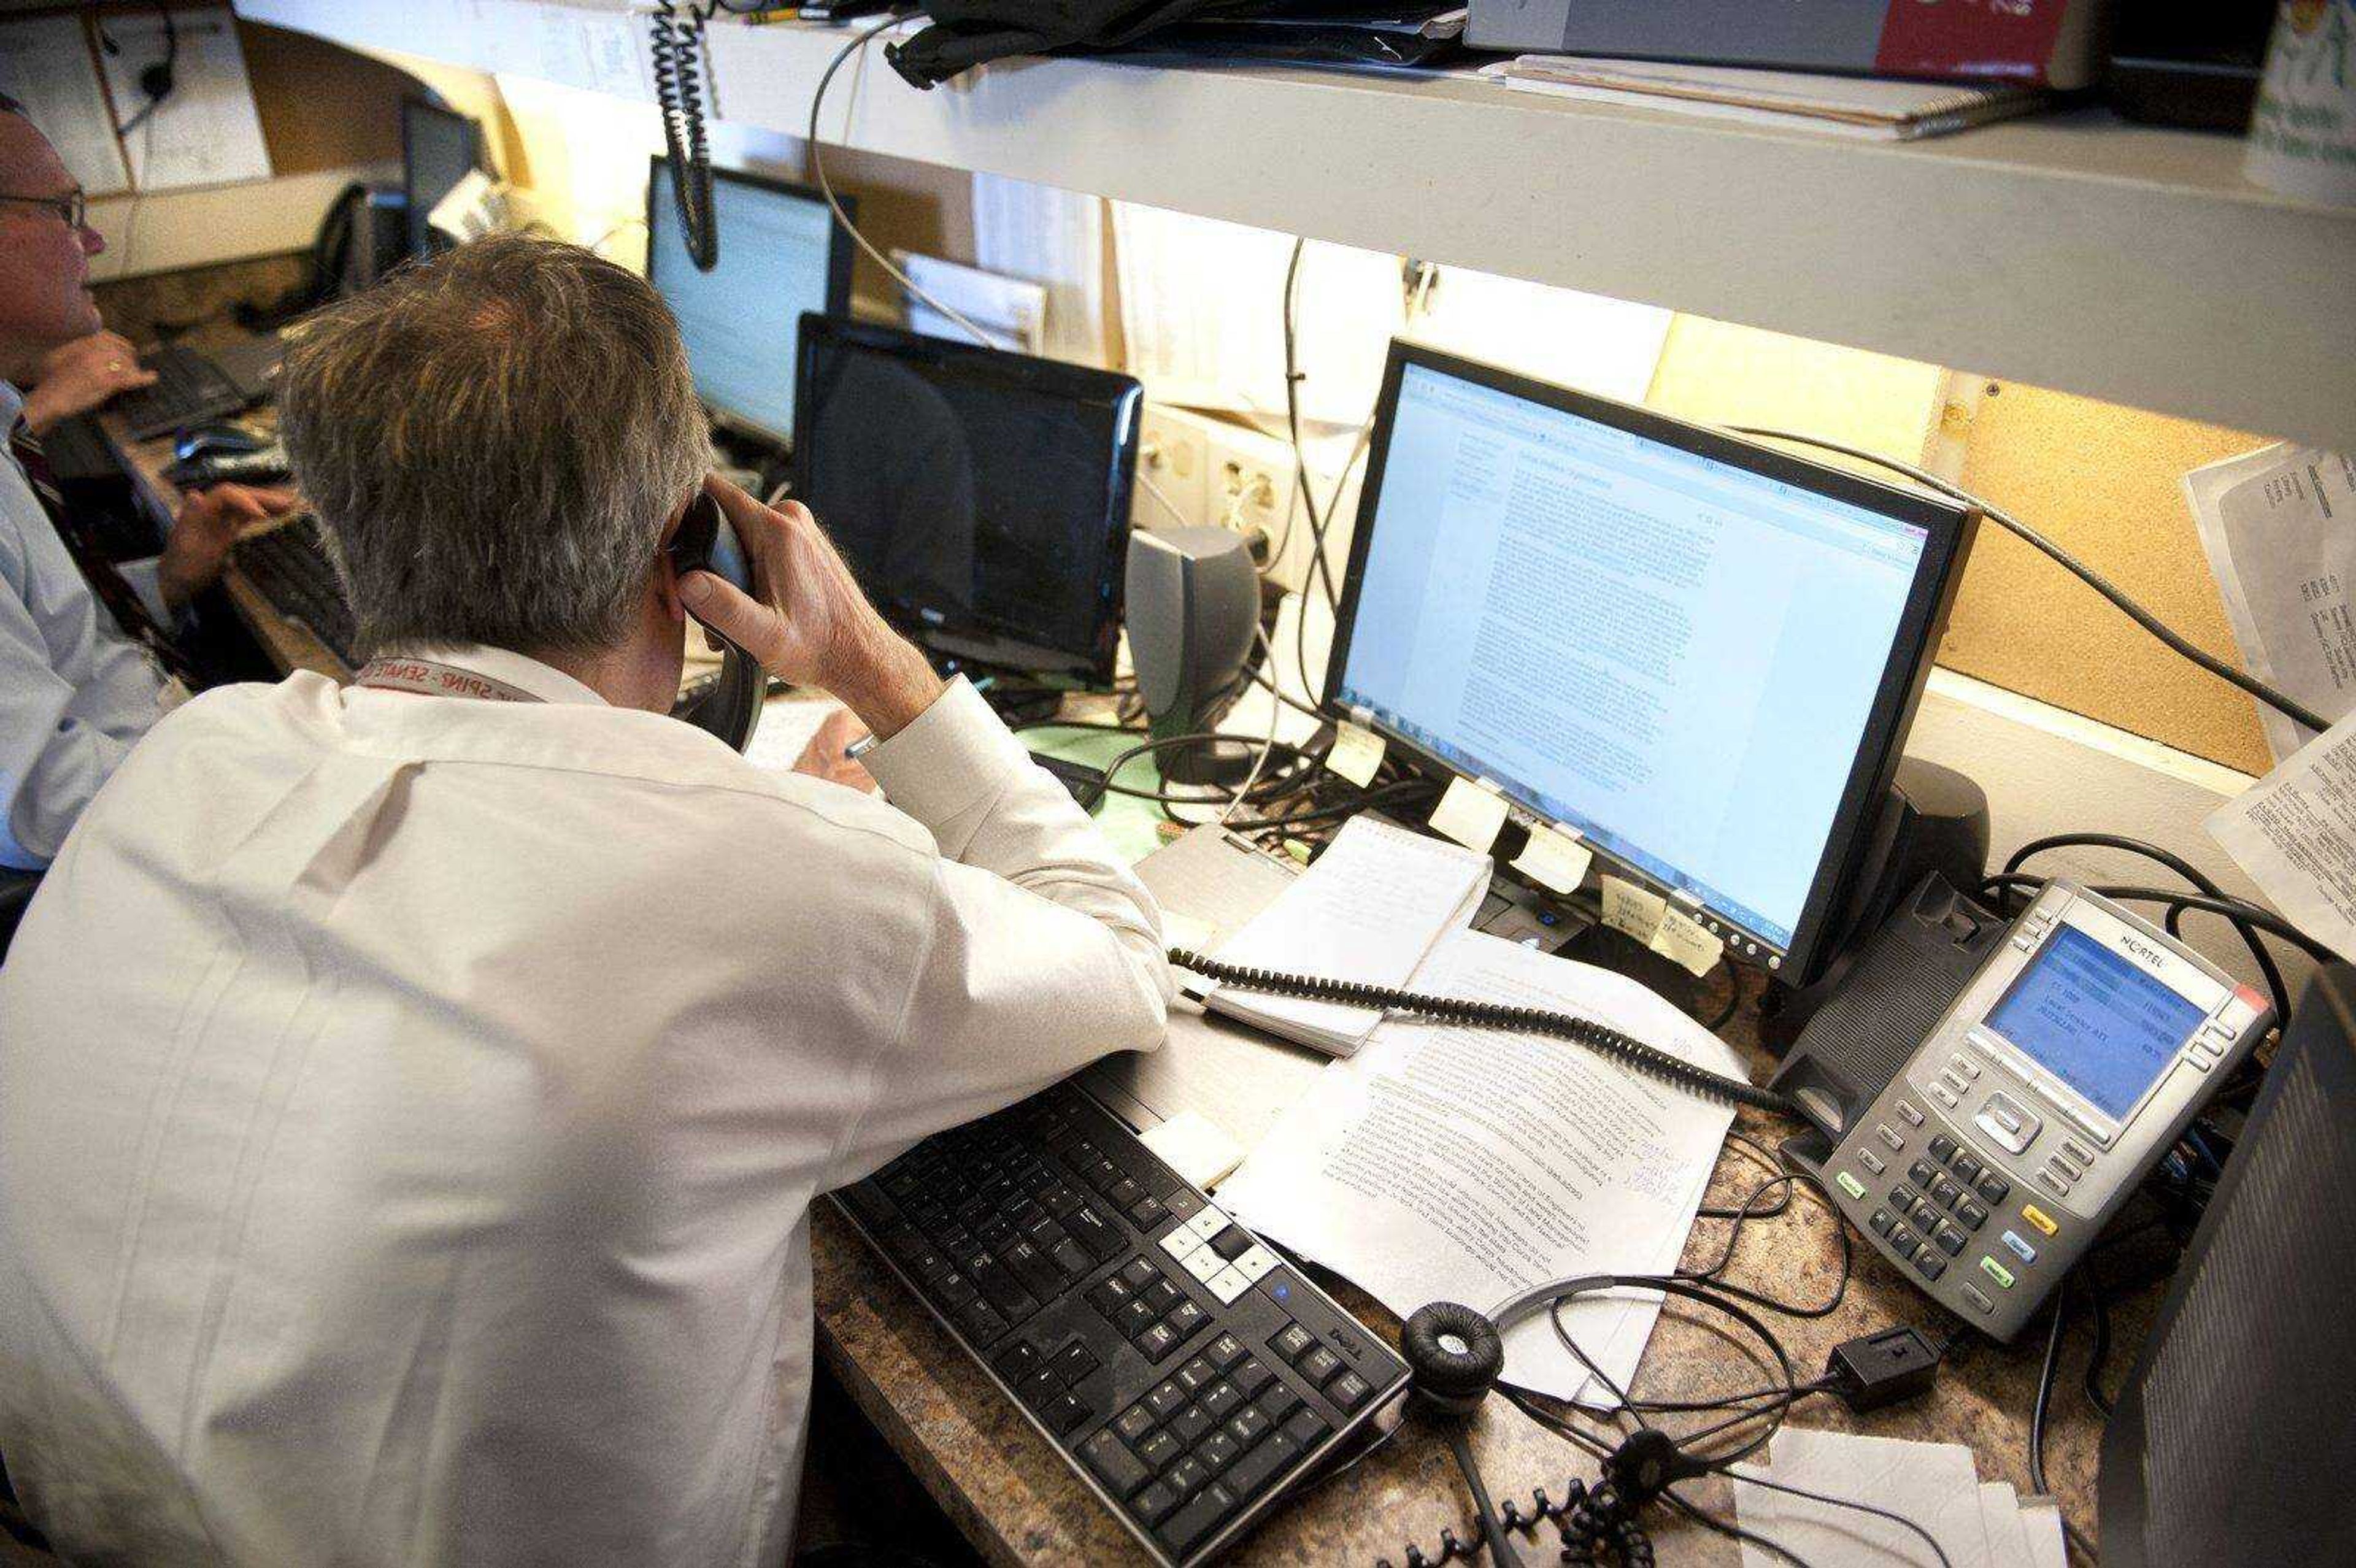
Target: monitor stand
<point>1622,954</point>
<point>1518,912</point>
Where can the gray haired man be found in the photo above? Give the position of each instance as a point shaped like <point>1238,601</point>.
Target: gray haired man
<point>411,1095</point>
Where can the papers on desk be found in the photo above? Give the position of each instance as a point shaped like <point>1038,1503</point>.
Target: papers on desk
<point>1370,910</point>
<point>2294,831</point>
<point>1933,1484</point>
<point>2279,527</point>
<point>786,727</point>
<point>1444,1163</point>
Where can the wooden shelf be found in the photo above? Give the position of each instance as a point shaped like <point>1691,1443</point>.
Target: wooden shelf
<point>2073,250</point>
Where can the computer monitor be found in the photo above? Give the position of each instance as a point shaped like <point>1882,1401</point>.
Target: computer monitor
<point>780,256</point>
<point>439,147</point>
<point>980,498</point>
<point>1699,654</point>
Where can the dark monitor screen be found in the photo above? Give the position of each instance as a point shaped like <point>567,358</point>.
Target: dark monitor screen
<point>1698,655</point>
<point>979,496</point>
<point>438,149</point>
<point>781,255</point>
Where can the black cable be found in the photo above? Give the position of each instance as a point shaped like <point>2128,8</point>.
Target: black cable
<point>1626,1048</point>
<point>675,50</point>
<point>1931,1541</point>
<point>2036,1412</point>
<point>1718,1020</point>
<point>1754,1150</point>
<point>2182,868</point>
<point>1732,1532</point>
<point>1831,1304</point>
<point>157,80</point>
<point>2297,712</point>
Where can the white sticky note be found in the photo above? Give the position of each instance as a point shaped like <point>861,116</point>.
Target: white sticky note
<point>1185,930</point>
<point>1681,937</point>
<point>1554,859</point>
<point>1356,753</point>
<point>1190,1145</point>
<point>1470,815</point>
<point>1629,908</point>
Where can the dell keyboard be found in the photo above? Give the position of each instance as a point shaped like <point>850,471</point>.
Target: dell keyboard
<point>189,389</point>
<point>289,567</point>
<point>1182,1369</point>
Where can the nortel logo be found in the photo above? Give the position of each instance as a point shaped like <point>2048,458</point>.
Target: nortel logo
<point>2150,956</point>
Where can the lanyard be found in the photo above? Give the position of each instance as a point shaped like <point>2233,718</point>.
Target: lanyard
<point>428,678</point>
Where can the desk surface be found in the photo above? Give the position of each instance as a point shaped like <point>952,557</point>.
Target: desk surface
<point>1016,1502</point>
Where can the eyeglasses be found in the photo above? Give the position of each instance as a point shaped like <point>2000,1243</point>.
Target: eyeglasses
<point>74,206</point>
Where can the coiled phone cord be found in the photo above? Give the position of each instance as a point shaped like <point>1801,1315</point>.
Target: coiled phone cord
<point>1601,1038</point>
<point>676,52</point>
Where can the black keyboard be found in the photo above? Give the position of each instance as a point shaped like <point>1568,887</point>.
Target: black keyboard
<point>289,567</point>
<point>1186,1373</point>
<point>188,389</point>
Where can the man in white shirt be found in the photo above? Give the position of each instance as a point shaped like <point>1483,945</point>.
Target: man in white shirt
<point>74,693</point>
<point>410,1104</point>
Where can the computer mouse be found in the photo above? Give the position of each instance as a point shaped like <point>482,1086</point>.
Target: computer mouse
<point>216,439</point>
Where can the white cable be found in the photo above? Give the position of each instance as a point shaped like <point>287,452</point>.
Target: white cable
<point>826,187</point>
<point>1168,505</point>
<point>1275,718</point>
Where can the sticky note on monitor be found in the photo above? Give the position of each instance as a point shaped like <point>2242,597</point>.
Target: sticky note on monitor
<point>1470,815</point>
<point>1356,753</point>
<point>1681,937</point>
<point>1630,909</point>
<point>1554,859</point>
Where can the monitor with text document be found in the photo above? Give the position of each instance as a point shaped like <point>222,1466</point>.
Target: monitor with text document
<point>781,254</point>
<point>1699,654</point>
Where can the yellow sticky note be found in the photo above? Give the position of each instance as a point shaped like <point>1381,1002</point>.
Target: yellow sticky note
<point>1190,1145</point>
<point>1681,937</point>
<point>1356,753</point>
<point>1629,908</point>
<point>1554,859</point>
<point>1470,815</point>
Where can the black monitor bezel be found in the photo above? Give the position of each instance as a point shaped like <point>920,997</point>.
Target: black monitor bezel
<point>839,260</point>
<point>1093,664</point>
<point>1948,528</point>
<point>419,237</point>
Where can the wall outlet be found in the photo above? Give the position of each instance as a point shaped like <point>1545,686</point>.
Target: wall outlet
<point>1173,465</point>
<point>1225,474</point>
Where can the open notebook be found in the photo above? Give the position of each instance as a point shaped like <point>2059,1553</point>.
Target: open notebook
<point>1372,908</point>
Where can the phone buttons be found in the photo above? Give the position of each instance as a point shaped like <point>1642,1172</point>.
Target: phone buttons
<point>2004,1119</point>
<point>2039,1218</point>
<point>1997,1271</point>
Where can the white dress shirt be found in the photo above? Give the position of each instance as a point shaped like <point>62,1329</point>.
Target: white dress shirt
<point>74,693</point>
<point>410,1109</point>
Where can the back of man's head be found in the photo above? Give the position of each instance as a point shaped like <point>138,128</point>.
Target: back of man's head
<point>495,441</point>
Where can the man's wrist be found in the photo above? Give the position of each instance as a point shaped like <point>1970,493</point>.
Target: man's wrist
<point>891,687</point>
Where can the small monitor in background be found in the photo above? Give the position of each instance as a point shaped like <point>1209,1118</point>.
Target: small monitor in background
<point>980,498</point>
<point>1699,654</point>
<point>781,255</point>
<point>438,148</point>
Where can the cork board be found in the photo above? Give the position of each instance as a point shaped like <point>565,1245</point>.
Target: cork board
<point>321,105</point>
<point>2102,481</point>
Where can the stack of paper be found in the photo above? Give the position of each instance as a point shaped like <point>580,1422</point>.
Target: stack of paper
<point>1369,910</point>
<point>1934,1485</point>
<point>1450,1164</point>
<point>1877,108</point>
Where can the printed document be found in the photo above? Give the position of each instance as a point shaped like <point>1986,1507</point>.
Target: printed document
<point>1450,1164</point>
<point>2294,831</point>
<point>2279,526</point>
<point>1935,1485</point>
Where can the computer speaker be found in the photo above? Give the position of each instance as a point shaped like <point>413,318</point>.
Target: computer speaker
<point>1193,609</point>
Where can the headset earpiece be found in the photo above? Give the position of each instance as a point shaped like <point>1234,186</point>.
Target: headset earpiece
<point>1454,1355</point>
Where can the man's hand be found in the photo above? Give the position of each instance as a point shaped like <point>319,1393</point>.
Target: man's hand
<point>823,758</point>
<point>809,623</point>
<point>209,524</point>
<point>82,375</point>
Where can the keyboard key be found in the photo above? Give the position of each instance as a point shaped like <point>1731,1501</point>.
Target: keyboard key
<point>1349,1391</point>
<point>1154,1501</point>
<point>1248,1425</point>
<point>1306,1427</point>
<point>1198,1519</point>
<point>1068,1255</point>
<point>1166,1400</point>
<point>1881,1222</point>
<point>1186,1318</point>
<point>1019,1360</point>
<point>1190,1424</point>
<point>1222,1400</point>
<point>1074,1361</point>
<point>1232,1242</point>
<point>982,1323</point>
<point>1139,1273</point>
<point>1318,1365</point>
<point>1132,1318</point>
<point>1157,1343</point>
<point>1188,1476</point>
<point>1219,1450</point>
<point>1031,1265</point>
<point>1251,1375</point>
<point>1124,1192</point>
<point>1278,1403</point>
<point>1134,1423</point>
<point>1161,1451</point>
<point>1115,1466</point>
<point>1147,1212</point>
<point>1059,1199</point>
<point>1197,1375</point>
<point>1293,1341</point>
<point>1094,1232</point>
<point>1223,1351</point>
<point>1160,1296</point>
<point>955,1290</point>
<point>1066,1413</point>
<point>1183,1203</point>
<point>1264,1463</point>
<point>1107,1298</point>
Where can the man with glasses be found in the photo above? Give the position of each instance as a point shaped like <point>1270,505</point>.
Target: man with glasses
<point>77,689</point>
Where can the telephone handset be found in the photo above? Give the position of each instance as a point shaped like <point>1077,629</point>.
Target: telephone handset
<point>706,541</point>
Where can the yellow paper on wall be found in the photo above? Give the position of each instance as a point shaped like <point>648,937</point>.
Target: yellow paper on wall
<point>1356,753</point>
<point>1681,937</point>
<point>1554,859</point>
<point>1629,908</point>
<point>1470,815</point>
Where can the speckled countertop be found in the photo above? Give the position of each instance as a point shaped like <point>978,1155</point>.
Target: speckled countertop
<point>1004,1487</point>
